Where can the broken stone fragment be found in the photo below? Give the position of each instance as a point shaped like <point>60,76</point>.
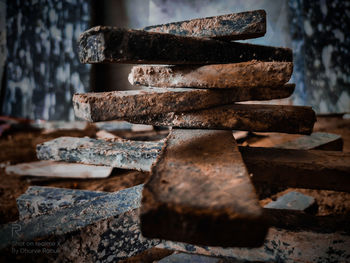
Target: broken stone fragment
<point>294,201</point>
<point>200,186</point>
<point>122,154</point>
<point>59,170</point>
<point>259,118</point>
<point>38,200</point>
<point>245,25</point>
<point>120,104</point>
<point>115,45</point>
<point>103,229</point>
<point>317,141</point>
<point>240,75</point>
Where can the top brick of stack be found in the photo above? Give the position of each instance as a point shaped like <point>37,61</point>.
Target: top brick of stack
<point>186,42</point>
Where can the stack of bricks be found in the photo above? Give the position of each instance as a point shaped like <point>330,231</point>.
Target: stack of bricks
<point>199,191</point>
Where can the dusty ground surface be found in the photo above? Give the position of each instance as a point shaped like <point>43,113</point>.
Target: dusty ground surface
<point>19,147</point>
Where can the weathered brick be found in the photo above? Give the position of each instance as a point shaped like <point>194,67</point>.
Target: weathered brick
<point>201,188</point>
<point>235,26</point>
<point>120,104</point>
<point>237,75</point>
<point>260,118</point>
<point>115,45</point>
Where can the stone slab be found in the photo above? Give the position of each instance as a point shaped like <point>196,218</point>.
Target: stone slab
<point>244,25</point>
<point>313,169</point>
<point>200,186</point>
<point>237,75</point>
<point>124,154</point>
<point>103,44</point>
<point>247,117</point>
<point>112,105</point>
<point>38,200</point>
<point>279,243</point>
<point>295,201</point>
<point>316,141</point>
<point>47,168</point>
<point>104,229</point>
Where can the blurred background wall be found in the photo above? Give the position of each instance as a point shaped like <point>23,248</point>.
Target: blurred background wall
<point>42,71</point>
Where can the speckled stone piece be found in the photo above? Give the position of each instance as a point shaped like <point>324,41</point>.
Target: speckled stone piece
<point>316,141</point>
<point>259,118</point>
<point>200,185</point>
<point>124,154</point>
<point>237,75</point>
<point>115,45</point>
<point>113,105</point>
<point>245,25</point>
<point>102,229</point>
<point>38,200</point>
<point>191,258</point>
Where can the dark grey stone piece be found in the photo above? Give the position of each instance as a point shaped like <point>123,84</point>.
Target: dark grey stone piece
<point>294,201</point>
<point>126,154</point>
<point>39,200</point>
<point>104,229</point>
<point>190,258</point>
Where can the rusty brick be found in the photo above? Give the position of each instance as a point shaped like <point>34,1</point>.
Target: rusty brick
<point>120,104</point>
<point>115,45</point>
<point>201,188</point>
<point>259,118</point>
<point>239,75</point>
<point>235,26</point>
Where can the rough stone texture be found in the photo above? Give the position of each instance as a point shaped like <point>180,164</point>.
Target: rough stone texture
<point>38,200</point>
<point>321,46</point>
<point>259,118</point>
<point>191,258</point>
<point>116,45</point>
<point>315,141</point>
<point>236,26</point>
<point>328,170</point>
<point>200,186</point>
<point>43,70</point>
<point>294,201</point>
<point>240,75</point>
<point>59,170</point>
<point>278,246</point>
<point>122,153</point>
<point>42,200</point>
<point>102,229</point>
<point>120,104</point>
